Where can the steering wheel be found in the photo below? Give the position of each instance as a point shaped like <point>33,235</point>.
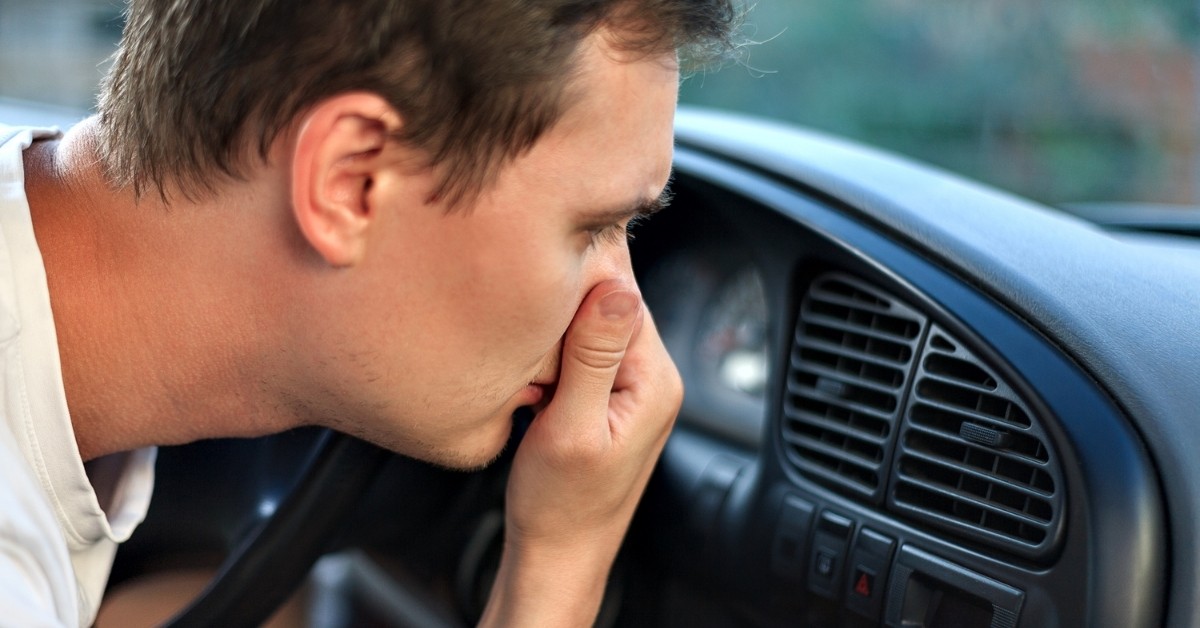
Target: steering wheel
<point>287,544</point>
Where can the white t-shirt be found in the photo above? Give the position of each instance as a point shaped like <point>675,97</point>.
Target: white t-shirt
<point>56,542</point>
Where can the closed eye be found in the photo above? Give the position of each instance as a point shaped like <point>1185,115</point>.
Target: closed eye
<point>608,234</point>
<point>613,233</point>
<point>613,227</point>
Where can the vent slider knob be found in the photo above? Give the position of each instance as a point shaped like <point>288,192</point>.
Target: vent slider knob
<point>985,436</point>
<point>831,387</point>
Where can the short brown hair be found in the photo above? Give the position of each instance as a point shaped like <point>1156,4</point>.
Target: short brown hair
<point>198,85</point>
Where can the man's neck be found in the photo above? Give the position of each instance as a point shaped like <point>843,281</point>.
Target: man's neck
<point>156,308</point>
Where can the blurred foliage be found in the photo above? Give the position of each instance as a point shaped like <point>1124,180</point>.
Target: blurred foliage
<point>1060,100</point>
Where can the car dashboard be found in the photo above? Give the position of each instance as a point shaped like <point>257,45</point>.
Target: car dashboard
<point>920,454</point>
<point>911,401</point>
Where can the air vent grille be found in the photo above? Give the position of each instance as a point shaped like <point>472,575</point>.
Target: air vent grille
<point>971,458</point>
<point>853,352</point>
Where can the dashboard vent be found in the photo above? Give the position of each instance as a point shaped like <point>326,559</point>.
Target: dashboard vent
<point>853,353</point>
<point>972,458</point>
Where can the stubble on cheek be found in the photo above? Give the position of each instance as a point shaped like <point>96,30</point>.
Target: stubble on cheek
<point>548,374</point>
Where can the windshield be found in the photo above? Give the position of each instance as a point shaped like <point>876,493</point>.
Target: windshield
<point>1061,101</point>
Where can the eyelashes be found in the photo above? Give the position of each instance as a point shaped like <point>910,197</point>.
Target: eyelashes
<point>611,234</point>
<point>615,233</point>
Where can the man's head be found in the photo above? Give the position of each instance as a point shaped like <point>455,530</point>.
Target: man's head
<point>200,88</point>
<point>329,145</point>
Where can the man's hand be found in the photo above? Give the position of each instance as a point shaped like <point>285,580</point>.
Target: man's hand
<point>583,464</point>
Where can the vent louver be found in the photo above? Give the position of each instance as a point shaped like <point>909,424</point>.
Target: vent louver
<point>972,459</point>
<point>853,352</point>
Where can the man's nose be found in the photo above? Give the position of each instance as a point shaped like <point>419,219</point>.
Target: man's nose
<point>616,264</point>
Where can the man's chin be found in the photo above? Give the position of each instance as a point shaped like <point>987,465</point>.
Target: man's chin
<point>478,452</point>
<point>472,446</point>
<point>467,463</point>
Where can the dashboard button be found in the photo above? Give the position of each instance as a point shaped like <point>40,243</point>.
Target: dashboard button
<point>826,561</point>
<point>829,554</point>
<point>788,558</point>
<point>870,561</point>
<point>864,582</point>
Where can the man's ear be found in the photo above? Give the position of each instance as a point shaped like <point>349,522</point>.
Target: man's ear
<point>335,162</point>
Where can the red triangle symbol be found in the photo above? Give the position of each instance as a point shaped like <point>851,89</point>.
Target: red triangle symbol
<point>863,587</point>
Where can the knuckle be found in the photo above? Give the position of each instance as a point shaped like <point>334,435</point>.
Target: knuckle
<point>673,388</point>
<point>580,452</point>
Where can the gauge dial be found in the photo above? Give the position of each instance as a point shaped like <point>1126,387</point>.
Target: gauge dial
<point>733,334</point>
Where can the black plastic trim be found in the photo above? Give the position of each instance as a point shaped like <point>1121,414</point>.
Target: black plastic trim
<point>1115,551</point>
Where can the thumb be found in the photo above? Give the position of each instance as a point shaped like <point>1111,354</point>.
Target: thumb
<point>592,351</point>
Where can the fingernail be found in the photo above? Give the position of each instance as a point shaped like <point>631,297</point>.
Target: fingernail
<point>619,305</point>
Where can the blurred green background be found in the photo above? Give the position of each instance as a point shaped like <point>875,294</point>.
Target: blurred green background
<point>1058,100</point>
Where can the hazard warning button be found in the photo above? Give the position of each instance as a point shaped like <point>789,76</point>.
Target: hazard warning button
<point>864,582</point>
<point>870,556</point>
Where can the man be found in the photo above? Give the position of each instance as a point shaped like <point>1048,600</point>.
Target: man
<point>399,219</point>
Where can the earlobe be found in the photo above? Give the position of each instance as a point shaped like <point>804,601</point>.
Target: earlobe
<point>335,162</point>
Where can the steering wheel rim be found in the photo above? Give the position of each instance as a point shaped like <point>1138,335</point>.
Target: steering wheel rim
<point>287,544</point>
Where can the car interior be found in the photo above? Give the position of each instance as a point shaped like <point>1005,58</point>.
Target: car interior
<point>913,399</point>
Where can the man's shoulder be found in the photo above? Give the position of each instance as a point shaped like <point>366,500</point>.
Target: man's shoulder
<point>37,584</point>
<point>20,136</point>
